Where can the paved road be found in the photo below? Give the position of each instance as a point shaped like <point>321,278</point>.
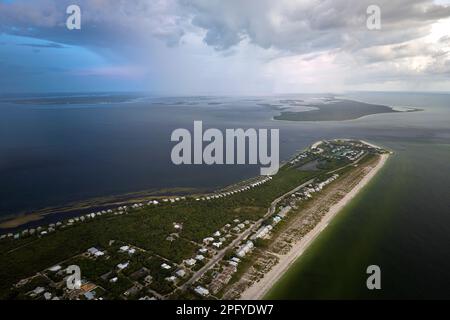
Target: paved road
<point>245,234</point>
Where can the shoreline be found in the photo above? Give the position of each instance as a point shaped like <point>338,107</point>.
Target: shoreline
<point>258,290</point>
<point>20,220</point>
<point>14,222</point>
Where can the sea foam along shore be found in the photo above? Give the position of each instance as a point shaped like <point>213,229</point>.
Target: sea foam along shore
<point>259,289</point>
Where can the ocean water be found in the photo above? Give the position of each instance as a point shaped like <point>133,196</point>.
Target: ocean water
<point>400,222</point>
<point>55,154</point>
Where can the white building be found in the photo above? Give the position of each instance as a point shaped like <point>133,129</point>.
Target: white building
<point>246,248</point>
<point>217,244</point>
<point>181,273</point>
<point>166,266</point>
<point>122,266</point>
<point>201,291</point>
<point>190,262</point>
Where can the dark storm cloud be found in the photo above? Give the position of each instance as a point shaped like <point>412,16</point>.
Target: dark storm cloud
<point>311,25</point>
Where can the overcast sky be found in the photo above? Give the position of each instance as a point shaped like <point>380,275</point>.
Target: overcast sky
<point>224,46</point>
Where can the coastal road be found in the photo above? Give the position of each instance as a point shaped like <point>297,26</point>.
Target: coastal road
<point>242,236</point>
<point>270,211</point>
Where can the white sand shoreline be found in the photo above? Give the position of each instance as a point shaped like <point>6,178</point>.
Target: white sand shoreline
<point>259,289</point>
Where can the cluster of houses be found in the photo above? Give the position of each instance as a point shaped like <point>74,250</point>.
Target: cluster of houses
<point>57,275</point>
<point>49,291</point>
<point>168,200</point>
<point>235,191</point>
<point>350,151</point>
<point>223,277</point>
<point>220,237</point>
<point>263,231</point>
<point>180,272</point>
<point>52,227</point>
<point>299,157</point>
<point>245,249</point>
<point>44,230</point>
<point>306,192</point>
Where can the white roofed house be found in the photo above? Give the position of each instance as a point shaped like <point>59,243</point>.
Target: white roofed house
<point>201,291</point>
<point>124,248</point>
<point>217,244</point>
<point>276,219</point>
<point>233,263</point>
<point>181,273</point>
<point>246,248</point>
<point>55,268</point>
<point>99,253</point>
<point>122,266</point>
<point>208,240</point>
<point>262,232</point>
<point>165,266</point>
<point>92,250</point>
<point>190,262</point>
<point>171,279</point>
<point>177,226</point>
<point>38,290</point>
<point>200,257</point>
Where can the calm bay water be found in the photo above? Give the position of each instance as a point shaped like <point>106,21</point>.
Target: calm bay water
<point>55,154</point>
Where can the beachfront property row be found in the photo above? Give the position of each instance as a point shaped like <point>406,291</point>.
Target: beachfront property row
<point>52,227</point>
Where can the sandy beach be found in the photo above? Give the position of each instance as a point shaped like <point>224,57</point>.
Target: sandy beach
<point>259,289</point>
<point>19,220</point>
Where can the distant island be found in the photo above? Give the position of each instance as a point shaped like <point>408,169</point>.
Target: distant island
<point>74,100</point>
<point>229,244</point>
<point>331,109</point>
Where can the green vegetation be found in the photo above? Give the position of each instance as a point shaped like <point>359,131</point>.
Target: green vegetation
<point>336,110</point>
<point>147,229</point>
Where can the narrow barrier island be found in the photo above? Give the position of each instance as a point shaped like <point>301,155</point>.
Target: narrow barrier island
<point>233,243</point>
